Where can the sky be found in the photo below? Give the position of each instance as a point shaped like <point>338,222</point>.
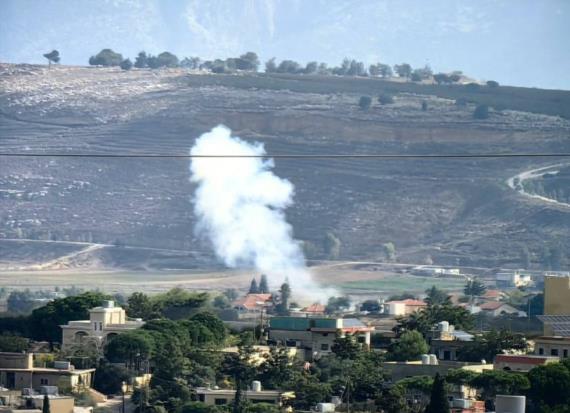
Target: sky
<point>515,42</point>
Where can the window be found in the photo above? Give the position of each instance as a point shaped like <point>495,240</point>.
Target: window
<point>554,352</point>
<point>324,347</point>
<point>540,351</point>
<point>100,326</point>
<point>44,382</point>
<point>201,398</point>
<point>565,353</point>
<point>220,402</point>
<point>361,339</point>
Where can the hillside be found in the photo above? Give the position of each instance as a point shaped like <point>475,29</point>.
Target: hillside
<point>450,211</point>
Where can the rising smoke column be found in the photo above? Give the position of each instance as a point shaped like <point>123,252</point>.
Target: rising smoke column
<point>240,203</point>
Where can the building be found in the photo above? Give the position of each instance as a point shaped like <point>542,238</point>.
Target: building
<point>446,342</point>
<point>493,295</point>
<point>222,397</point>
<point>316,335</point>
<point>513,279</point>
<point>253,303</point>
<point>315,309</point>
<point>399,370</point>
<point>404,307</point>
<point>556,346</point>
<point>17,372</point>
<point>104,323</point>
<point>523,362</point>
<point>497,308</point>
<point>556,295</point>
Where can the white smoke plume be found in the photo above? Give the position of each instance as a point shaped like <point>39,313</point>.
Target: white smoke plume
<point>240,203</point>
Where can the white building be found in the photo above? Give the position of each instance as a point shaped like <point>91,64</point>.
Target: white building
<point>104,323</point>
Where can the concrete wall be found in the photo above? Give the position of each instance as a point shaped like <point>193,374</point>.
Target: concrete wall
<point>16,360</point>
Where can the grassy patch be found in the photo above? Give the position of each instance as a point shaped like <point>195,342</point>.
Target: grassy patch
<point>405,283</point>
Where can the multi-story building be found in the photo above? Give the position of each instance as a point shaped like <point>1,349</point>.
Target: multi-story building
<point>556,319</point>
<point>556,295</point>
<point>17,372</point>
<point>104,323</point>
<point>222,397</point>
<point>316,335</point>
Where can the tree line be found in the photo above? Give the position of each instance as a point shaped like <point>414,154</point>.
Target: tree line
<point>250,62</point>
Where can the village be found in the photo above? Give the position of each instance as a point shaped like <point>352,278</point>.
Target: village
<point>411,342</point>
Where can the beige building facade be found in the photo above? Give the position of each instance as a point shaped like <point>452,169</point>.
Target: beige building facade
<point>104,323</point>
<point>556,295</point>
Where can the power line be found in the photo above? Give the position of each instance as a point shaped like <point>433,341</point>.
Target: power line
<point>289,156</point>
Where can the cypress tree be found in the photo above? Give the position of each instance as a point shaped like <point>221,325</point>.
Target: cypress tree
<point>253,288</point>
<point>438,400</point>
<point>45,406</point>
<point>263,285</point>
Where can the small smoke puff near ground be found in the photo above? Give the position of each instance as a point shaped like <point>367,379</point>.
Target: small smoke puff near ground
<point>239,203</point>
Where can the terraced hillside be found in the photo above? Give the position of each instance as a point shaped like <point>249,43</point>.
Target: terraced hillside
<point>449,211</point>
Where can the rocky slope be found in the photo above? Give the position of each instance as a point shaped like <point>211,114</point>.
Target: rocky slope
<point>451,211</point>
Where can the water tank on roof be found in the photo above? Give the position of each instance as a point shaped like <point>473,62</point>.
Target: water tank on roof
<point>433,360</point>
<point>325,407</point>
<point>256,385</point>
<point>443,326</point>
<point>62,365</point>
<point>108,304</point>
<point>510,404</point>
<point>425,358</point>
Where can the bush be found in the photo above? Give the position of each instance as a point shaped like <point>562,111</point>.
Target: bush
<point>424,105</point>
<point>365,102</point>
<point>106,57</point>
<point>126,64</point>
<point>385,99</point>
<point>481,112</point>
<point>492,83</point>
<point>461,102</point>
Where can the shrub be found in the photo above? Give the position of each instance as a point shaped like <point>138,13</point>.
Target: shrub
<point>106,57</point>
<point>365,102</point>
<point>126,64</point>
<point>424,105</point>
<point>461,102</point>
<point>492,83</point>
<point>385,99</point>
<point>481,112</point>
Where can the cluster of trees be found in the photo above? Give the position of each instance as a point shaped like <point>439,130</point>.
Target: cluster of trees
<point>261,288</point>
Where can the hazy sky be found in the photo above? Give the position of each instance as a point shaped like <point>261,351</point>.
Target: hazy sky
<point>516,42</point>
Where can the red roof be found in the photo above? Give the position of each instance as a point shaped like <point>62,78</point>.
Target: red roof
<point>314,308</point>
<point>410,302</point>
<point>251,301</point>
<point>492,294</point>
<point>491,305</point>
<point>522,359</point>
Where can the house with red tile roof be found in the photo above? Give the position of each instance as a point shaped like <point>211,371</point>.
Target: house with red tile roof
<point>253,302</point>
<point>497,308</point>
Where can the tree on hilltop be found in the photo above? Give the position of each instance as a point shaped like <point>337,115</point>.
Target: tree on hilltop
<point>52,56</point>
<point>404,70</point>
<point>141,60</point>
<point>106,57</point>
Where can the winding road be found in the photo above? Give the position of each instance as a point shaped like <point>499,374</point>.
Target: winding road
<point>536,173</point>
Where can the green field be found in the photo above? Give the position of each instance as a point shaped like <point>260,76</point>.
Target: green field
<point>405,283</point>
